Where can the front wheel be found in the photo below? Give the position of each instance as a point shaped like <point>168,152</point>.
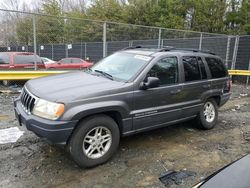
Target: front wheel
<point>208,115</point>
<point>94,141</point>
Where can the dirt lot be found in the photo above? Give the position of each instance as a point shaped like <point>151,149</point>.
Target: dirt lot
<point>140,160</point>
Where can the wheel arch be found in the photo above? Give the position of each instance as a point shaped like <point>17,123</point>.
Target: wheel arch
<point>115,115</point>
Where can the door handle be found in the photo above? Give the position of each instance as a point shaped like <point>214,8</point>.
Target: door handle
<point>206,86</point>
<point>174,92</point>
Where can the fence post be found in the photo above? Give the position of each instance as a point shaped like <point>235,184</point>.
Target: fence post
<point>81,50</point>
<point>236,45</point>
<point>85,50</point>
<point>131,43</point>
<point>104,38</point>
<point>66,50</point>
<point>228,50</point>
<point>159,38</point>
<point>52,51</point>
<point>200,44</point>
<point>248,76</point>
<point>34,38</point>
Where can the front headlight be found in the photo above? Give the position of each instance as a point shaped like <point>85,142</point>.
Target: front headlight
<point>48,110</point>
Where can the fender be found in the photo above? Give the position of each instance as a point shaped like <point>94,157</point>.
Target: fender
<point>81,111</point>
<point>211,93</point>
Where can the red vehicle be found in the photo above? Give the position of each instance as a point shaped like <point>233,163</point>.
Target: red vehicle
<point>69,63</point>
<point>20,60</point>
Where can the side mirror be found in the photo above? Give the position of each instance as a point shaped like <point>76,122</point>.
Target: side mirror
<point>151,82</point>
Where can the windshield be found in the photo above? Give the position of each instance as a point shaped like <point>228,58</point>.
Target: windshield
<point>121,66</point>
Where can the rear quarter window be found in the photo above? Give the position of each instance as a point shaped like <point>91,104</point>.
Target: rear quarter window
<point>76,61</point>
<point>216,67</point>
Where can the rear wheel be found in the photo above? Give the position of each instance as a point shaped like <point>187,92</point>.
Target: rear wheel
<point>208,115</point>
<point>94,141</point>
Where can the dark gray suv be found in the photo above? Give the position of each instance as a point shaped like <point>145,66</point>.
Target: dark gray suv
<point>133,90</point>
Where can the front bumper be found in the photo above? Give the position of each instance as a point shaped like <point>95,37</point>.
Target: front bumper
<point>55,132</point>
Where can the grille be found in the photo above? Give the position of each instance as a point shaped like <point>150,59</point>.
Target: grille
<point>27,100</point>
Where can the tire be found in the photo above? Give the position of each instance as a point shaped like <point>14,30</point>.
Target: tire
<point>206,118</point>
<point>85,137</point>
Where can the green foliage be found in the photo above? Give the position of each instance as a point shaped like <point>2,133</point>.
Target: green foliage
<point>218,16</point>
<point>50,29</point>
<point>106,10</point>
<point>24,31</point>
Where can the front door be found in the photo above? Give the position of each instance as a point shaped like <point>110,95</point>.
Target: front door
<point>157,106</point>
<point>4,61</point>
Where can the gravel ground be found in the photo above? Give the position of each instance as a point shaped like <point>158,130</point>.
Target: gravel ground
<point>140,160</point>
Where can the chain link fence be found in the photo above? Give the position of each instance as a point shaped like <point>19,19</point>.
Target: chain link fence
<point>63,37</point>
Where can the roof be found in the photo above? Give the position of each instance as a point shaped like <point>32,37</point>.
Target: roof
<point>169,50</point>
<point>17,53</point>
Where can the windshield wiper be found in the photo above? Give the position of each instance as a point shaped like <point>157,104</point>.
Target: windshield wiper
<point>107,75</point>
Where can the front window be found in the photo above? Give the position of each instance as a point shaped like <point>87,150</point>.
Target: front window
<point>4,58</point>
<point>121,65</point>
<point>166,70</point>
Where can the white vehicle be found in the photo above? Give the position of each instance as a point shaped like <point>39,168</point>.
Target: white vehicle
<point>47,60</point>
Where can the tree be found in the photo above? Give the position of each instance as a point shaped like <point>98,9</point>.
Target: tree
<point>50,29</point>
<point>24,31</point>
<point>106,10</point>
<point>244,15</point>
<point>206,15</point>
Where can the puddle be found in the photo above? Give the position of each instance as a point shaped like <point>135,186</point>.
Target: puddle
<point>10,135</point>
<point>177,177</point>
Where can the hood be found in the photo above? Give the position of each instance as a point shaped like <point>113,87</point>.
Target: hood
<point>71,86</point>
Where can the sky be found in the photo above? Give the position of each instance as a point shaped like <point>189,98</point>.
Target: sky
<point>32,4</point>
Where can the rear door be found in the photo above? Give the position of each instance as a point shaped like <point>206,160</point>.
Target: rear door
<point>195,84</point>
<point>76,63</point>
<point>4,61</point>
<point>157,106</point>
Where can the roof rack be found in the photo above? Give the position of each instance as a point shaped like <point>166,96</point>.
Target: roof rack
<point>170,48</point>
<point>196,50</point>
<point>132,47</point>
<point>166,48</point>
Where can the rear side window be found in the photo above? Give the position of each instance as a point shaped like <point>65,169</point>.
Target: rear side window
<point>191,68</point>
<point>26,59</point>
<point>166,70</point>
<point>4,59</point>
<point>76,61</point>
<point>216,67</point>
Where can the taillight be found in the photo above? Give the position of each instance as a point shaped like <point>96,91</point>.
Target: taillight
<point>228,86</point>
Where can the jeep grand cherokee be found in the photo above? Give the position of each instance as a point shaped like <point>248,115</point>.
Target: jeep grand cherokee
<point>130,91</point>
